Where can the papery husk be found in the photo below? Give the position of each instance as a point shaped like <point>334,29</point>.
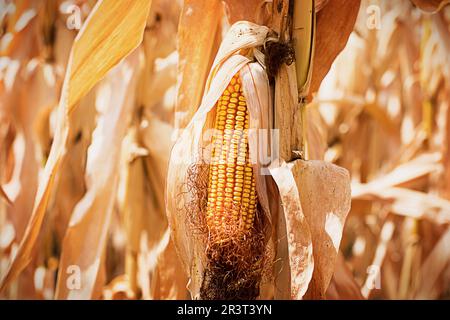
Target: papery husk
<point>298,239</point>
<point>325,196</point>
<point>190,154</point>
<point>316,200</point>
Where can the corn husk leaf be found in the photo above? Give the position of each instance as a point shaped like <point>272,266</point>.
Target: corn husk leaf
<point>188,148</point>
<point>324,196</point>
<point>300,247</point>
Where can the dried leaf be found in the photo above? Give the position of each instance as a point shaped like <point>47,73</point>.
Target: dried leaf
<point>430,5</point>
<point>300,246</point>
<point>4,196</point>
<point>85,237</point>
<point>91,58</point>
<point>372,279</point>
<point>409,203</point>
<point>343,285</point>
<point>325,198</point>
<point>188,149</point>
<point>333,27</point>
<point>196,52</point>
<point>401,175</point>
<point>433,267</point>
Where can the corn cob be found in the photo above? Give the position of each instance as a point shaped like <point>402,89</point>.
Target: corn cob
<point>231,187</point>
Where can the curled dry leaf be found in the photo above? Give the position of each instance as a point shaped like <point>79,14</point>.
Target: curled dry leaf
<point>325,198</point>
<point>402,175</point>
<point>316,200</point>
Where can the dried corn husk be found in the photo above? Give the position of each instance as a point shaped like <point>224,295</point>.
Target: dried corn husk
<point>189,148</point>
<point>316,199</point>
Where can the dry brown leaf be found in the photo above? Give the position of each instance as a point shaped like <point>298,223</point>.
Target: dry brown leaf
<point>196,53</point>
<point>169,282</point>
<point>86,236</point>
<point>372,279</point>
<point>433,267</point>
<point>142,176</point>
<point>300,246</point>
<point>431,5</point>
<point>112,32</point>
<point>70,181</point>
<point>333,27</point>
<point>409,203</point>
<point>38,91</point>
<point>91,57</point>
<point>343,285</point>
<point>249,10</point>
<point>402,175</point>
<point>325,198</point>
<point>4,196</point>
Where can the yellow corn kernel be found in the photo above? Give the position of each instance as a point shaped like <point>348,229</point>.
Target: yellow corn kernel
<point>231,185</point>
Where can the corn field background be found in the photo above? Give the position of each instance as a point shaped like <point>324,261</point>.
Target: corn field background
<point>96,106</point>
